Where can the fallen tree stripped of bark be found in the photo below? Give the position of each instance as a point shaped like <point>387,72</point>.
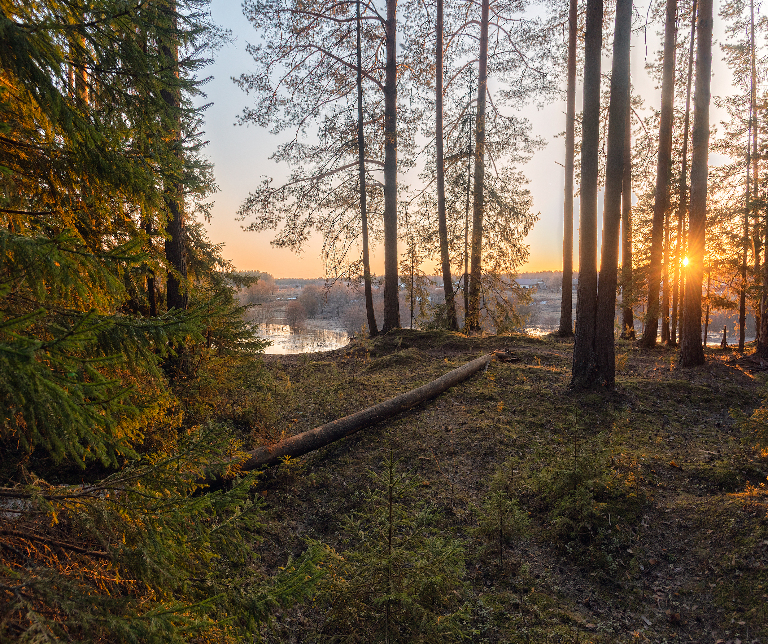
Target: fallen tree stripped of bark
<point>333,431</point>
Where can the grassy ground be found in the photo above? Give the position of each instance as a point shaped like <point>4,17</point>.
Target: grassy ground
<point>636,515</point>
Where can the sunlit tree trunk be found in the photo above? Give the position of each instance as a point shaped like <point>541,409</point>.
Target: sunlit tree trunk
<point>605,342</point>
<point>627,287</point>
<point>682,203</point>
<point>391,282</point>
<point>450,304</point>
<point>370,314</point>
<point>584,364</point>
<point>692,352</point>
<point>745,243</point>
<point>566,302</point>
<point>762,227</point>
<point>473,315</point>
<point>663,167</point>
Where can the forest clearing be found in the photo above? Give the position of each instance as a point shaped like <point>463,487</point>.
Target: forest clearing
<point>590,485</point>
<point>636,516</point>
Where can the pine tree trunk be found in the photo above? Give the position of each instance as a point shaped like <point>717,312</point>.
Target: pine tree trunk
<point>391,282</point>
<point>663,167</point>
<point>583,371</point>
<point>665,283</point>
<point>745,244</point>
<point>682,204</point>
<point>445,260</point>
<point>762,228</point>
<point>692,352</point>
<point>627,288</point>
<point>175,251</point>
<point>373,329</point>
<point>566,301</point>
<point>605,342</point>
<point>473,315</point>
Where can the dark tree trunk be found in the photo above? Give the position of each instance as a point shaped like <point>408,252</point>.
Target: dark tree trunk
<point>584,364</point>
<point>473,315</point>
<point>665,284</point>
<point>745,245</point>
<point>605,342</point>
<point>566,301</point>
<point>761,228</point>
<point>151,294</point>
<point>445,261</point>
<point>682,205</point>
<point>663,167</point>
<point>373,329</point>
<point>391,282</point>
<point>692,353</point>
<point>175,250</point>
<point>627,287</point>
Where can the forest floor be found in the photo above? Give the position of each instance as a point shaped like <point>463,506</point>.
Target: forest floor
<point>638,515</point>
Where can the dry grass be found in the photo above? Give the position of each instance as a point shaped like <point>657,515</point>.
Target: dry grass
<point>648,519</point>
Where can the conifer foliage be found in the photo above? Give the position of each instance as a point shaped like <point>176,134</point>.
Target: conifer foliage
<point>88,392</point>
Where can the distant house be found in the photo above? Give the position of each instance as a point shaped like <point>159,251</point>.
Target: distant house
<point>529,282</point>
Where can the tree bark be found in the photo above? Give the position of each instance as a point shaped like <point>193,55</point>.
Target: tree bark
<point>605,342</point>
<point>762,228</point>
<point>692,352</point>
<point>566,300</point>
<point>473,315</point>
<point>745,245</point>
<point>682,204</point>
<point>663,168</point>
<point>442,225</point>
<point>333,431</point>
<point>373,329</point>
<point>584,369</point>
<point>627,287</point>
<point>391,281</point>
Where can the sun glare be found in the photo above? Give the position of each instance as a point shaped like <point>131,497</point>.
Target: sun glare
<point>685,261</point>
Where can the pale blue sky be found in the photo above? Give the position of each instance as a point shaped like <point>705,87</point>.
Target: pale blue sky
<point>241,156</point>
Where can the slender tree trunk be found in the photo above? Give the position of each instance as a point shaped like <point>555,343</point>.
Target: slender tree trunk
<point>583,372</point>
<point>373,329</point>
<point>762,228</point>
<point>682,205</point>
<point>151,294</point>
<point>692,353</point>
<point>605,341</point>
<point>665,283</point>
<point>391,282</point>
<point>442,225</point>
<point>473,315</point>
<point>706,314</point>
<point>466,205</point>
<point>745,244</point>
<point>175,248</point>
<point>566,301</point>
<point>663,167</point>
<point>627,287</point>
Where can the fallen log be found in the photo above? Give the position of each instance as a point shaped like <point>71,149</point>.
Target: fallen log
<point>320,436</point>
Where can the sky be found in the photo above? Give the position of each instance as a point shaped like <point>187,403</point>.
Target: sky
<point>240,155</point>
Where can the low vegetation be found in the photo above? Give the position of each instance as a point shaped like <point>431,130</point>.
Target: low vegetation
<point>640,515</point>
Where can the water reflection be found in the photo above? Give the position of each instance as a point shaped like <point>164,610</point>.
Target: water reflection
<point>306,340</point>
